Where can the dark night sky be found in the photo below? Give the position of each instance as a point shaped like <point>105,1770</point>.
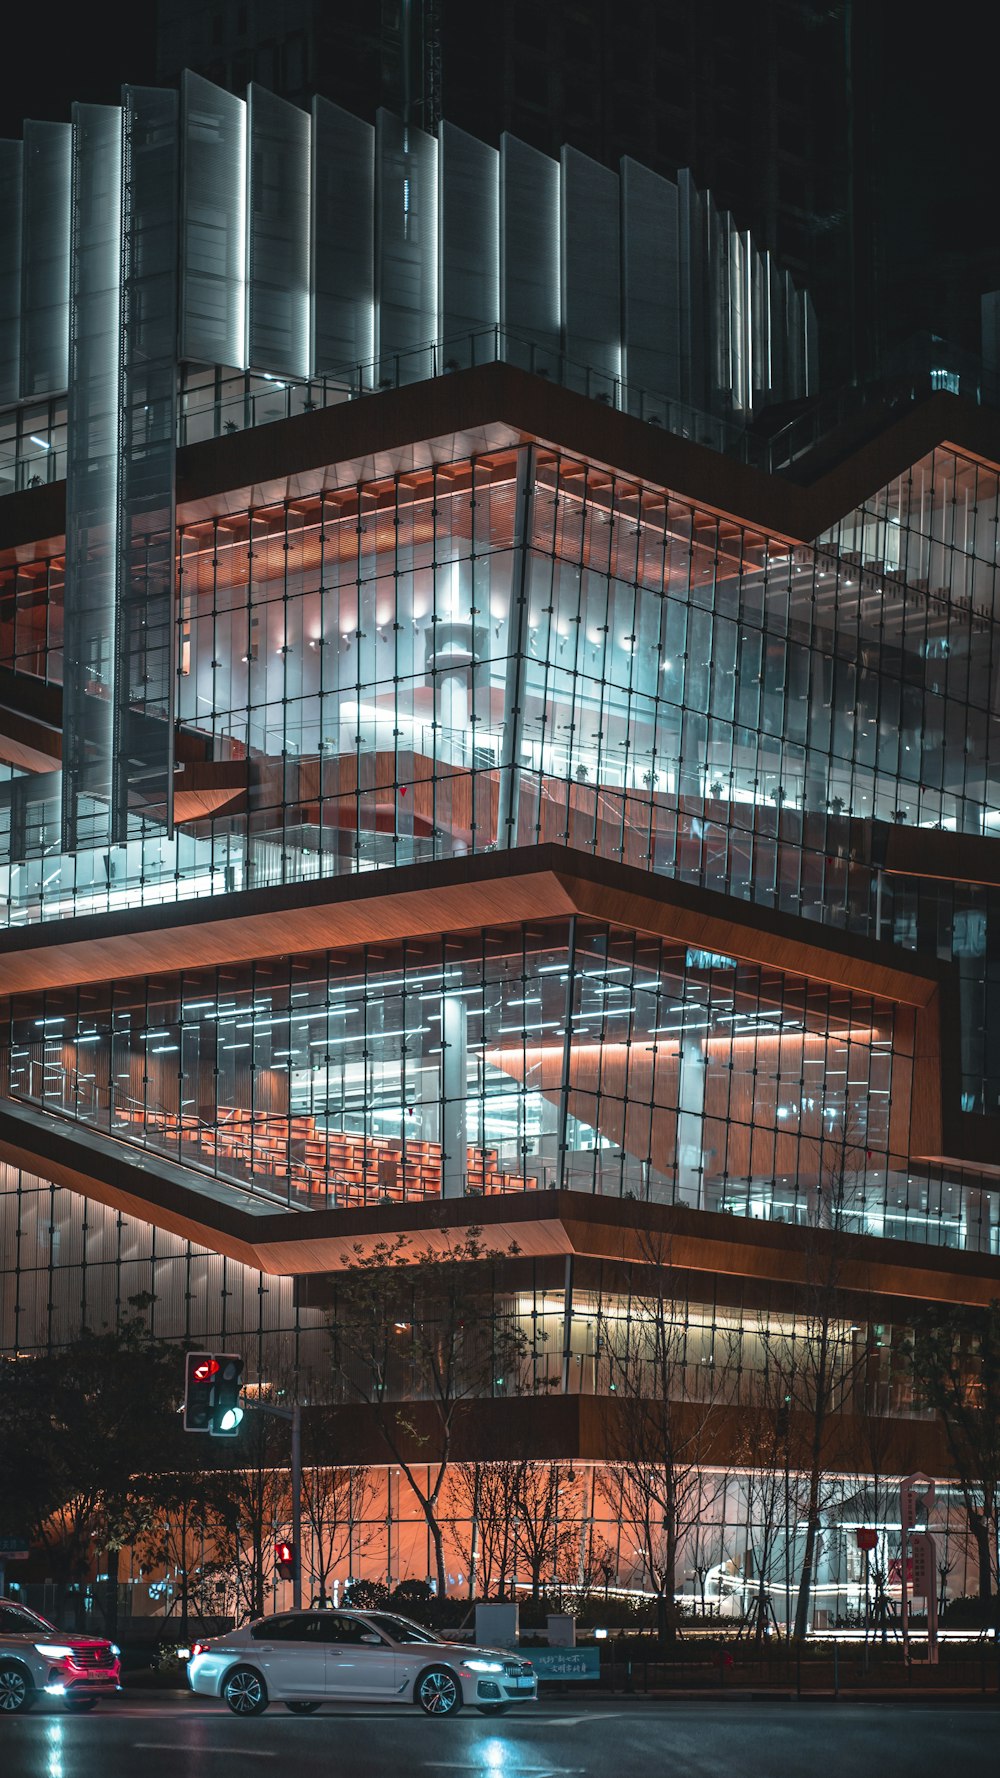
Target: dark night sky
<point>73,52</point>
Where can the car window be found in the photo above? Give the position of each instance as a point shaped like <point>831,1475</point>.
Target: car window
<point>16,1622</point>
<point>400,1629</point>
<point>345,1629</point>
<point>278,1629</point>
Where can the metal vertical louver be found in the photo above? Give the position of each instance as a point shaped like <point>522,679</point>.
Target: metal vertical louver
<point>343,239</point>
<point>92,480</point>
<point>406,251</point>
<point>469,244</point>
<point>45,249</point>
<point>11,155</point>
<point>144,685</point>
<point>278,221</point>
<point>591,280</point>
<point>650,295</point>
<point>213,225</point>
<point>530,303</point>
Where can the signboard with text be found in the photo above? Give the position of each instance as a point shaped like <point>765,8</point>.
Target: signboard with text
<point>564,1663</point>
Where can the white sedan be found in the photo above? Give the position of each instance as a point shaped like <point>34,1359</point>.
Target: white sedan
<point>303,1659</point>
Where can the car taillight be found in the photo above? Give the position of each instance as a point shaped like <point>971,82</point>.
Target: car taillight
<point>199,1648</point>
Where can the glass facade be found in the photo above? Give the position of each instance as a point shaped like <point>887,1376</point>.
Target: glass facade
<point>66,1267</point>
<point>453,649</point>
<point>523,647</point>
<point>565,1053</point>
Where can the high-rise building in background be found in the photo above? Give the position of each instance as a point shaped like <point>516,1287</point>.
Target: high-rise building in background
<point>457,774</point>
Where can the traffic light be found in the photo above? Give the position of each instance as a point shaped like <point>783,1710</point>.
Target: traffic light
<point>200,1371</point>
<point>226,1410</point>
<point>284,1556</point>
<point>212,1382</point>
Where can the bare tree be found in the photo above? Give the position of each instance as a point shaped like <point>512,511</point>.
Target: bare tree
<point>250,1502</point>
<point>416,1336</point>
<point>484,1499</point>
<point>763,1458</point>
<point>548,1520</point>
<point>820,1360</point>
<point>662,1434</point>
<point>956,1362</point>
<point>335,1507</point>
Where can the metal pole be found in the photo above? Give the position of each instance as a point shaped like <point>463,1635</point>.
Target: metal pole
<point>297,1504</point>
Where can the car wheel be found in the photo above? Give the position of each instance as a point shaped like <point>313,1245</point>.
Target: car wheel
<point>17,1690</point>
<point>438,1692</point>
<point>79,1706</point>
<point>245,1692</point>
<point>301,1707</point>
<point>493,1709</point>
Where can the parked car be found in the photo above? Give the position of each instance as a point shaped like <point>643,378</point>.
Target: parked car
<point>303,1659</point>
<point>37,1660</point>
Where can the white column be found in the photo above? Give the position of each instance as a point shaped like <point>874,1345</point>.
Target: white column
<point>454,1117</point>
<point>690,1124</point>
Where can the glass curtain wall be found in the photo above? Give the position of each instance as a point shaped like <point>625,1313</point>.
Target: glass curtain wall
<point>558,1054</point>
<point>523,647</point>
<point>697,699</point>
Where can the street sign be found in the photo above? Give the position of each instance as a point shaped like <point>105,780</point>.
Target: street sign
<point>867,1539</point>
<point>915,1491</point>
<point>564,1663</point>
<point>14,1549</point>
<point>922,1553</point>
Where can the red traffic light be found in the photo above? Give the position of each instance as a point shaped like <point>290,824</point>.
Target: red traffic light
<point>284,1559</point>
<point>207,1368</point>
<point>283,1552</point>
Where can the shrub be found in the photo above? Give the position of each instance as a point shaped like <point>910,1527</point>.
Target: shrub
<point>367,1595</point>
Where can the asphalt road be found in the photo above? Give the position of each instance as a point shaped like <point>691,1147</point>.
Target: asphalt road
<point>601,1739</point>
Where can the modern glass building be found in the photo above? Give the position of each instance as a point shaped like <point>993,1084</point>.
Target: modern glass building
<point>492,794</point>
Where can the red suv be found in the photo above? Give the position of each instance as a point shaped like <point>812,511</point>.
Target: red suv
<point>36,1660</point>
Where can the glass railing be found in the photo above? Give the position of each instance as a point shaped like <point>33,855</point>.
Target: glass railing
<point>243,400</point>
<point>300,1161</point>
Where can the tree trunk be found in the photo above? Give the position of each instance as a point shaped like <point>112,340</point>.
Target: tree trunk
<point>981,1533</point>
<point>803,1601</point>
<point>437,1539</point>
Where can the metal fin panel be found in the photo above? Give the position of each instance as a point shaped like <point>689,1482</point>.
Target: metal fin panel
<point>213,225</point>
<point>406,258</point>
<point>92,477</point>
<point>530,303</point>
<point>590,273</point>
<point>278,256</point>
<point>45,252</point>
<point>343,239</point>
<point>469,277</point>
<point>650,286</point>
<point>11,160</point>
<point>144,688</point>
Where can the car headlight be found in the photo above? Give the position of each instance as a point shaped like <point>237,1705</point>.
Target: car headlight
<point>54,1650</point>
<point>115,1650</point>
<point>484,1666</point>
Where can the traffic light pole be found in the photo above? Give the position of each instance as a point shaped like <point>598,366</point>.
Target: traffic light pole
<point>294,1416</point>
<point>297,1503</point>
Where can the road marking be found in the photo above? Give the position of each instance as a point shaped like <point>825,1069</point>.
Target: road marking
<point>573,1722</point>
<point>181,1747</point>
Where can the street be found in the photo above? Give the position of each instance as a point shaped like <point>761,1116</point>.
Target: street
<point>599,1739</point>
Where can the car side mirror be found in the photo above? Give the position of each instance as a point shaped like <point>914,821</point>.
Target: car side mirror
<point>375,1641</point>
